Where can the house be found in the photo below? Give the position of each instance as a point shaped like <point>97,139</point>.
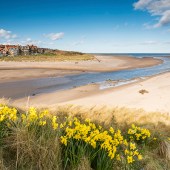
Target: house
<point>25,50</point>
<point>12,50</point>
<point>41,50</point>
<point>1,52</point>
<point>2,46</point>
<point>33,49</point>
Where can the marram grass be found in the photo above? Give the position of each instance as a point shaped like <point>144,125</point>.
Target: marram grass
<point>38,140</point>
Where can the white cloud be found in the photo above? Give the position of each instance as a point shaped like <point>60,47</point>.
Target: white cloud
<point>55,36</point>
<point>150,42</point>
<point>7,34</point>
<point>160,8</point>
<point>29,41</point>
<point>165,20</point>
<point>7,37</point>
<point>141,4</point>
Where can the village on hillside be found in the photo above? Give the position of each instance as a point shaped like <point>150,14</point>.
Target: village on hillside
<point>15,50</point>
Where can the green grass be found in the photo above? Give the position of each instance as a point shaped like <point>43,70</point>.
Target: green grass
<point>64,56</point>
<point>33,147</point>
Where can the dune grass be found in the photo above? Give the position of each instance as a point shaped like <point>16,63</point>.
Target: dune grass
<point>50,57</point>
<point>57,139</point>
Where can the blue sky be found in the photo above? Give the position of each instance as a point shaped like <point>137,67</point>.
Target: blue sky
<point>113,26</point>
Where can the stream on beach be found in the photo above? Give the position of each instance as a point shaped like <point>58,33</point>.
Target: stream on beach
<point>32,87</point>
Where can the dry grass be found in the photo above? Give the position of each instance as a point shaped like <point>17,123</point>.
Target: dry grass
<point>43,153</point>
<point>157,155</point>
<point>5,101</point>
<point>50,57</point>
<point>32,152</point>
<point>105,114</point>
<point>84,164</point>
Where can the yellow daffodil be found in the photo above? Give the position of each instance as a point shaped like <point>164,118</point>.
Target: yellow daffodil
<point>64,140</point>
<point>140,157</point>
<point>130,159</point>
<point>132,146</point>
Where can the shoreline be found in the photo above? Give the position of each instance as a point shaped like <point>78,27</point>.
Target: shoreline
<point>156,100</point>
<point>31,70</point>
<point>89,95</point>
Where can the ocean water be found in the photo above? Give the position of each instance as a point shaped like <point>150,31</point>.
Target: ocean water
<point>138,55</point>
<point>45,85</point>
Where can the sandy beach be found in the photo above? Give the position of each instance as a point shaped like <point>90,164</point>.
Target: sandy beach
<point>156,100</point>
<point>158,87</point>
<point>10,71</point>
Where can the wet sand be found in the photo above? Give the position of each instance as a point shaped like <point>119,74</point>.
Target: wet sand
<point>12,71</point>
<point>156,100</point>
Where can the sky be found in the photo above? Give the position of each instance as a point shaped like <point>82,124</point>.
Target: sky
<point>93,26</point>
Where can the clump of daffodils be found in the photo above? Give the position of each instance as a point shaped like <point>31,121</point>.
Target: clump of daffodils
<point>138,134</point>
<point>116,145</point>
<point>111,141</point>
<point>7,113</point>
